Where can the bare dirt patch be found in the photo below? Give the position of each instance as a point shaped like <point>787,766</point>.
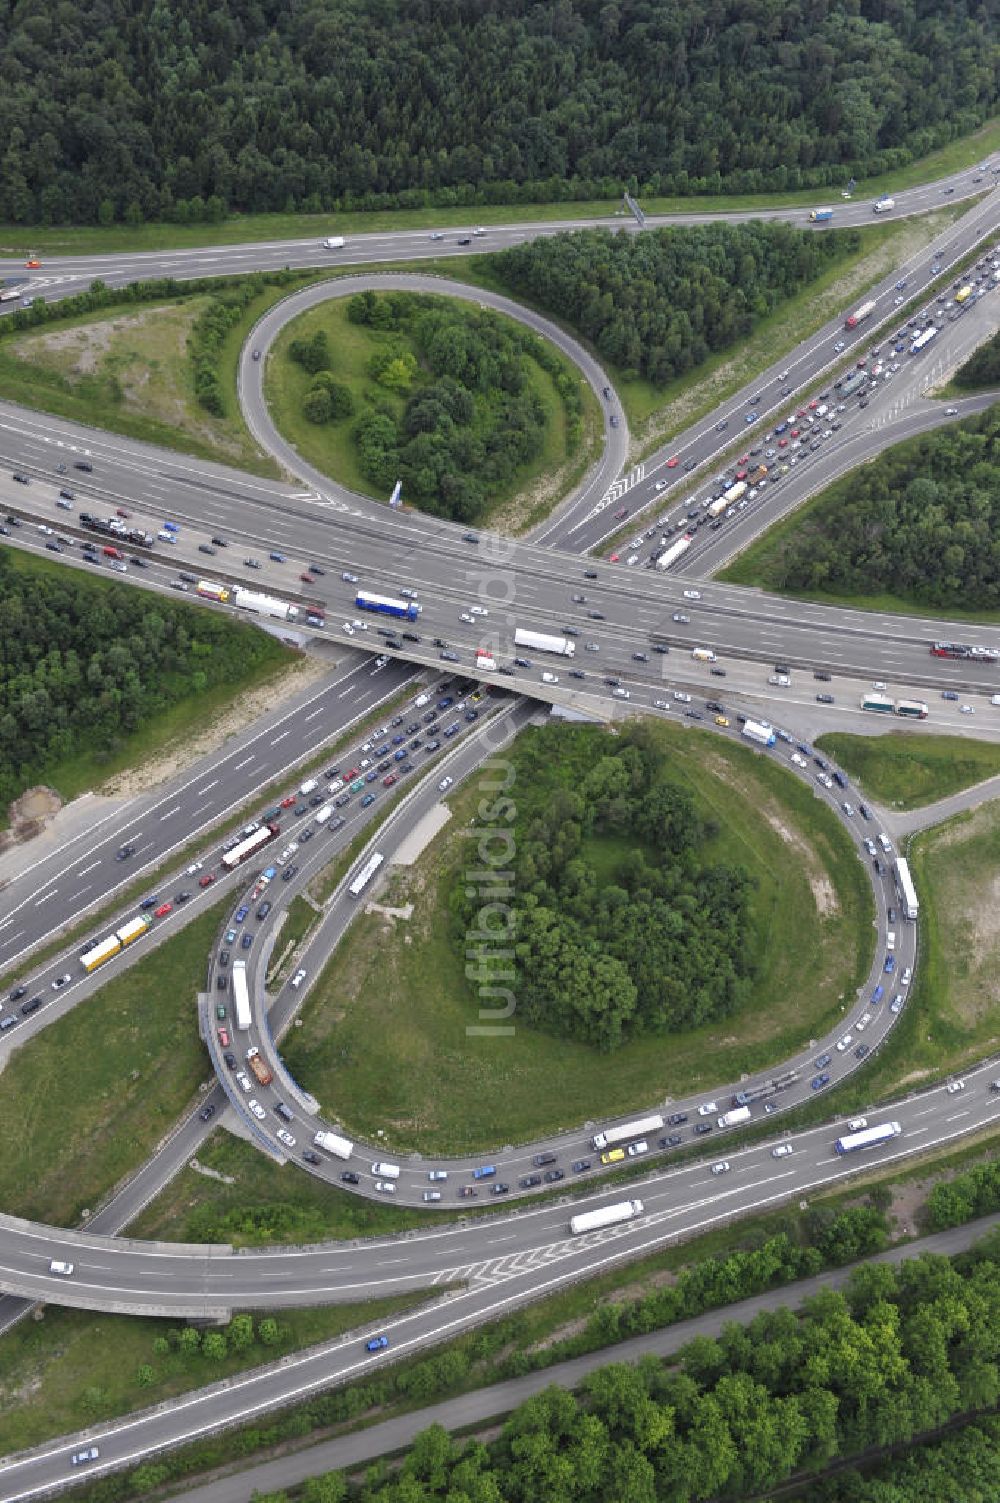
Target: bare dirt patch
<point>29,814</point>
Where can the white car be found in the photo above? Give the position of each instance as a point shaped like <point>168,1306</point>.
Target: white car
<point>840,345</point>
<point>681,697</point>
<point>286,1137</point>
<point>799,760</point>
<point>348,628</point>
<point>634,1149</point>
<point>661,704</point>
<point>385,1187</point>
<point>857,1124</point>
<point>64,1270</point>
<point>243,1080</point>
<point>680,616</point>
<point>445,783</point>
<point>80,1458</point>
<point>896,1005</point>
<point>863,1022</point>
<point>709,1109</point>
<point>966,710</point>
<point>692,594</point>
<point>252,1052</point>
<point>906,977</point>
<point>661,485</point>
<point>845,1042</point>
<point>298,978</point>
<point>951,412</point>
<point>257,1109</point>
<point>61,981</point>
<point>360,625</point>
<point>722,1167</point>
<point>955,1085</point>
<point>898,300</point>
<point>782,1151</point>
<point>479,610</point>
<point>465,616</point>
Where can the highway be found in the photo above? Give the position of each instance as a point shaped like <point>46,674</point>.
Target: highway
<point>496,1260</point>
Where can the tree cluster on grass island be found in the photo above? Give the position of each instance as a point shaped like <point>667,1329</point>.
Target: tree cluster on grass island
<point>621,925</point>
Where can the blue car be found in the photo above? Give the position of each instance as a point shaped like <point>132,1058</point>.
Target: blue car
<point>369,798</point>
<point>377,1344</point>
<point>276,558</point>
<point>890,964</point>
<point>241,913</point>
<point>823,1061</point>
<point>149,902</point>
<point>878,994</point>
<point>819,1081</point>
<point>485,1171</point>
<point>751,417</point>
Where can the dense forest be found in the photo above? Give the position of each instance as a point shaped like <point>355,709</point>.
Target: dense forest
<point>982,369</point>
<point>902,1351</point>
<point>961,1468</point>
<point>654,941</point>
<point>659,303</point>
<point>921,522</point>
<point>83,665</point>
<point>146,109</point>
<point>451,410</point>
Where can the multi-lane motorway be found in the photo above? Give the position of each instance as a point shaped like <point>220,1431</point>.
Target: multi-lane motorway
<point>624,612</point>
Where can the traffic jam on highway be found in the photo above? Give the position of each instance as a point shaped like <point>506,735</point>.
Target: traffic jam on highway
<point>802,431</point>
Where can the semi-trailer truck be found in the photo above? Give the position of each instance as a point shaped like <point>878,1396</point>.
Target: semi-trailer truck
<point>540,642</point>
<point>592,1221</point>
<point>675,551</point>
<point>762,734</point>
<point>628,1130</point>
<point>860,314</point>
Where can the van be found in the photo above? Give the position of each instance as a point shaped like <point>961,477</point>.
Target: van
<point>890,939</point>
<point>703,655</point>
<point>550,678</point>
<point>64,1270</point>
<point>386,1171</point>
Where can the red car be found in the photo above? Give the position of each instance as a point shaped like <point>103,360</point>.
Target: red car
<point>800,412</point>
<point>206,880</point>
<point>813,405</point>
<point>673,462</point>
<point>287,803</point>
<point>307,579</point>
<point>33,265</point>
<point>613,559</point>
<point>223,1038</point>
<point>743,459</point>
<point>164,909</point>
<point>796,432</point>
<point>351,774</point>
<point>741,474</point>
<point>387,782</point>
<point>120,511</point>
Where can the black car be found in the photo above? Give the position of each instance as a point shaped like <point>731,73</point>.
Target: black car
<point>19,992</point>
<point>230,1061</point>
<point>553,1175</point>
<point>824,699</point>
<point>590,573</point>
<point>316,800</point>
<point>182,897</point>
<point>220,542</point>
<point>577,673</point>
<point>824,678</point>
<point>311,1157</point>
<point>32,1005</point>
<point>702,1127</point>
<point>677,1119</point>
<point>500,1189</point>
<point>714,706</point>
<point>717,672</point>
<point>206,548</point>
<point>207,1112</point>
<point>640,657</point>
<point>541,1159</point>
<point>350,1178</point>
<point>83,464</point>
<point>596,615</point>
<point>124,851</point>
<point>580,1165</point>
<point>221,983</point>
<point>529,1181</point>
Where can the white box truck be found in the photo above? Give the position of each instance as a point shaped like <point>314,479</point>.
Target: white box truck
<point>333,242</point>
<point>735,1117</point>
<point>385,1171</point>
<point>762,734</point>
<point>330,1143</point>
<point>541,642</point>
<point>703,655</point>
<point>628,1130</point>
<point>591,1221</point>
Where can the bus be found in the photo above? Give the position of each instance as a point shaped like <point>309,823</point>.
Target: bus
<point>385,605</point>
<point>869,1137</point>
<point>365,875</point>
<point>905,888</point>
<point>249,846</point>
<point>115,943</point>
<point>915,708</point>
<point>241,996</point>
<point>880,703</point>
